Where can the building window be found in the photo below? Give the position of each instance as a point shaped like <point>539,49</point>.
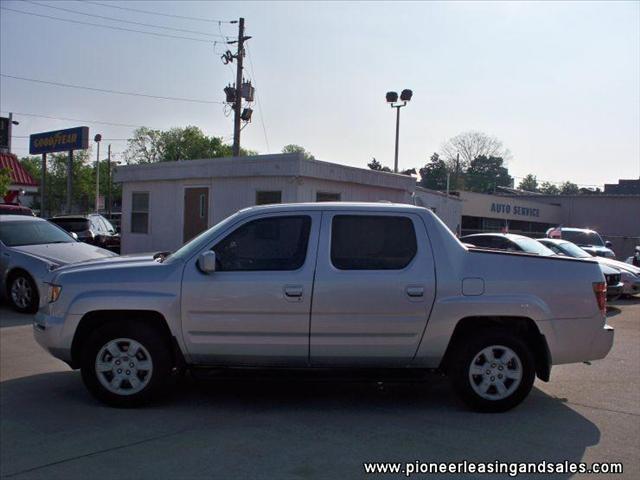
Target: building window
<point>266,244</point>
<point>267,197</point>
<point>327,197</point>
<point>372,242</point>
<point>140,212</point>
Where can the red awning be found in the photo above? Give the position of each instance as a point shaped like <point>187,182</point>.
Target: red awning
<point>19,176</point>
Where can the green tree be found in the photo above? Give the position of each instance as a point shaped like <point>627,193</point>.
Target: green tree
<point>376,165</point>
<point>181,143</point>
<point>569,188</point>
<point>486,173</point>
<point>434,174</point>
<point>529,183</point>
<point>549,188</point>
<point>83,182</point>
<point>293,148</point>
<point>5,181</point>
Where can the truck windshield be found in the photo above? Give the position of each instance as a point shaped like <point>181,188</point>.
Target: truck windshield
<point>583,238</point>
<point>37,232</point>
<point>199,242</point>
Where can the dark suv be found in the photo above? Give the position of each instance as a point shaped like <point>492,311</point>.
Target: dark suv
<point>92,228</point>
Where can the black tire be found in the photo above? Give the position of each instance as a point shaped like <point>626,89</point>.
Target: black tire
<point>464,354</point>
<point>23,280</point>
<point>151,339</point>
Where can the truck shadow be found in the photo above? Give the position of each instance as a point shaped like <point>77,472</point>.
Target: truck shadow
<point>286,429</point>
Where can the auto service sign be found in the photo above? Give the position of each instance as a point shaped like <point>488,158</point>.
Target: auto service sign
<point>59,141</point>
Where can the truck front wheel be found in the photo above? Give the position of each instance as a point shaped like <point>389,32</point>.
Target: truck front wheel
<point>493,371</point>
<point>125,364</point>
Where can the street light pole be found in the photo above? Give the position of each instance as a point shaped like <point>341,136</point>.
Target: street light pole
<point>395,163</point>
<point>97,139</point>
<point>392,99</point>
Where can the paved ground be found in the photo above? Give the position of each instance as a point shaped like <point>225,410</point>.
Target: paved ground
<point>51,428</point>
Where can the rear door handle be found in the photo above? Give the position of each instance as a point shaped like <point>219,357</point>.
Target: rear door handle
<point>293,291</point>
<point>415,291</point>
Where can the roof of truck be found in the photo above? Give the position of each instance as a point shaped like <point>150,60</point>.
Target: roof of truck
<point>364,206</point>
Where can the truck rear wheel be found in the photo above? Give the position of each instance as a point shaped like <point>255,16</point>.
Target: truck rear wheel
<point>125,364</point>
<point>493,371</point>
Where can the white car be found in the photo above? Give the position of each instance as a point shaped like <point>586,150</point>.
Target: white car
<point>29,248</point>
<point>629,275</point>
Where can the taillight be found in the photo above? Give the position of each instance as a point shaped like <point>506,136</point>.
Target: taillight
<point>600,290</point>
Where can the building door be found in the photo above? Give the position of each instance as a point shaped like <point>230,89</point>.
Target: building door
<point>196,211</point>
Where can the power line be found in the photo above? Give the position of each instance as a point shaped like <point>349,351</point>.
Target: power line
<point>104,90</point>
<point>112,124</point>
<point>155,34</point>
<point>159,14</point>
<point>121,20</point>
<point>253,75</point>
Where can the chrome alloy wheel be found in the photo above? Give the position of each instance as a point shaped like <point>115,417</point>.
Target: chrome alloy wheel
<point>123,366</point>
<point>22,292</point>
<point>495,372</point>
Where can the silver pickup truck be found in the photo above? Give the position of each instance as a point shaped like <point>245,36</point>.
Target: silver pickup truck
<point>326,286</point>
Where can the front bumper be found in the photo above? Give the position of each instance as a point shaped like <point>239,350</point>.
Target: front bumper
<point>48,331</point>
<point>631,288</point>
<point>615,290</point>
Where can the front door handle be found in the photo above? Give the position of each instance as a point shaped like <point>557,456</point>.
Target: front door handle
<point>415,291</point>
<point>293,291</point>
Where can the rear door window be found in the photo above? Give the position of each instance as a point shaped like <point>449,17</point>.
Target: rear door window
<point>372,242</point>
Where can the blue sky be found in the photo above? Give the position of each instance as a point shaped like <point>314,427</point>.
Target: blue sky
<point>557,82</point>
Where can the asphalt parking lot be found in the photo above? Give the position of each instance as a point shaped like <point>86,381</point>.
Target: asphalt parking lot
<point>52,428</point>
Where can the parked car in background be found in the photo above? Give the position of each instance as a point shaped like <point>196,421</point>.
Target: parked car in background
<point>15,209</point>
<point>115,218</point>
<point>507,241</point>
<point>92,228</point>
<point>327,285</point>
<point>588,240</point>
<point>29,248</point>
<point>629,275</point>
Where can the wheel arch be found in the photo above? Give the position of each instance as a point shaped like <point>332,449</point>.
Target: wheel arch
<point>95,319</point>
<point>524,327</point>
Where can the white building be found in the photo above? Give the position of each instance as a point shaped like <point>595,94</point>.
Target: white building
<point>165,204</point>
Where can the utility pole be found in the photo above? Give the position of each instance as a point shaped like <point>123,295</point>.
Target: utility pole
<point>109,180</point>
<point>238,100</point>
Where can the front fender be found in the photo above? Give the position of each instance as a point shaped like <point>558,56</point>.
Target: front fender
<point>91,301</point>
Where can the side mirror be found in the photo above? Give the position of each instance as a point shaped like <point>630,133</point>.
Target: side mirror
<point>608,244</point>
<point>207,262</point>
<point>74,235</point>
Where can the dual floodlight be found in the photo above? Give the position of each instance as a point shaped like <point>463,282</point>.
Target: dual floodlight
<point>405,96</point>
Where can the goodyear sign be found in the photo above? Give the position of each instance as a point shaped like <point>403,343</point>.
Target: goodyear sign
<point>59,141</point>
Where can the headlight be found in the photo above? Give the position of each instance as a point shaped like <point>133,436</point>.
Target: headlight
<point>54,292</point>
